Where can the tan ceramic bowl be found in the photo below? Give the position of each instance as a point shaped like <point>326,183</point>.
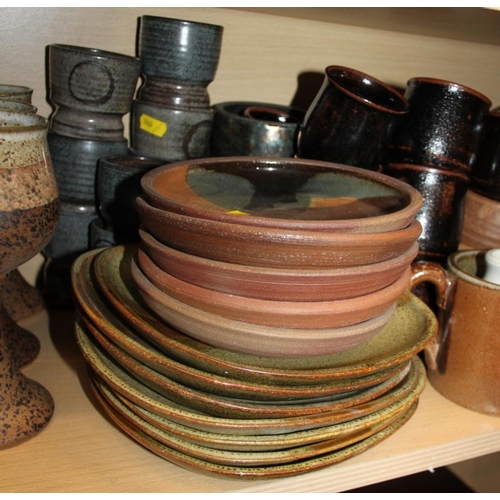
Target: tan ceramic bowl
<point>270,247</point>
<point>481,225</point>
<point>283,193</point>
<point>243,337</point>
<point>276,313</point>
<point>275,283</point>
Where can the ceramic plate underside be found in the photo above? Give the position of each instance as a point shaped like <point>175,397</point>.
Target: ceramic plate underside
<point>407,394</point>
<point>352,432</point>
<point>245,472</point>
<point>123,383</point>
<point>410,329</point>
<point>224,406</point>
<point>96,313</point>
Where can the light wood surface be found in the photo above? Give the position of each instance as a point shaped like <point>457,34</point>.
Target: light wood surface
<point>81,451</point>
<point>265,56</point>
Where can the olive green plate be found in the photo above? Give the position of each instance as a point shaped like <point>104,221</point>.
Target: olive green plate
<point>409,330</point>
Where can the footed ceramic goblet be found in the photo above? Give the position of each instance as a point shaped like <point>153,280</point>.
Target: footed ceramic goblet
<point>29,213</point>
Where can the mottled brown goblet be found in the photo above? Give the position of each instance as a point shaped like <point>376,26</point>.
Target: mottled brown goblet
<point>29,214</point>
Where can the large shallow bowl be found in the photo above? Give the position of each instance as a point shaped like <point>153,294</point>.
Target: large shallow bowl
<point>283,193</point>
<point>277,283</point>
<point>240,336</point>
<point>270,247</point>
<point>278,313</point>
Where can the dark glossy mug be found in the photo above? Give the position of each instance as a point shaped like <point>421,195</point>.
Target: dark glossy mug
<point>351,119</point>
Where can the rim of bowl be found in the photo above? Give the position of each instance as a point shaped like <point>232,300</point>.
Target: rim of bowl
<point>392,221</point>
<point>22,122</point>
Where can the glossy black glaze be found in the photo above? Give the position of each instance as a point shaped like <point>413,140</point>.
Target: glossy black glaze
<point>485,176</point>
<point>443,127</point>
<point>351,119</point>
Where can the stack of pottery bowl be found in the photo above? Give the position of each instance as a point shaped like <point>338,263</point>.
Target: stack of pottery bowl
<point>293,257</point>
<point>221,412</point>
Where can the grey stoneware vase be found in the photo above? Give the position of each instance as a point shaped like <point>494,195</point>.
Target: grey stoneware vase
<point>29,212</point>
<point>171,115</point>
<point>254,129</point>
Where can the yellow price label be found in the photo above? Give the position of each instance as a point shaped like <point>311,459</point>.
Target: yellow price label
<point>237,212</point>
<point>152,125</point>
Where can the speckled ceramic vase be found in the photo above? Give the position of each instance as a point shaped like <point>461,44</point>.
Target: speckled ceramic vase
<point>443,127</point>
<point>15,92</point>
<point>91,90</point>
<point>29,212</point>
<point>171,116</point>
<point>254,129</point>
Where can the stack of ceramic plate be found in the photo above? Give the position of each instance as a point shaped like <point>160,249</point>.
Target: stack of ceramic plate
<point>233,414</point>
<point>275,257</point>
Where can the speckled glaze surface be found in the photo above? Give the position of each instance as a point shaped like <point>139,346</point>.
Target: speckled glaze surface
<point>347,433</point>
<point>249,128</point>
<point>392,346</point>
<point>118,183</point>
<point>91,90</point>
<point>463,359</point>
<point>21,299</point>
<point>29,212</point>
<point>351,119</point>
<point>275,313</point>
<point>275,283</point>
<point>129,387</point>
<point>278,248</point>
<point>443,127</point>
<point>442,213</point>
<point>19,93</point>
<point>283,193</point>
<point>485,175</point>
<point>481,226</point>
<point>262,464</point>
<point>17,106</point>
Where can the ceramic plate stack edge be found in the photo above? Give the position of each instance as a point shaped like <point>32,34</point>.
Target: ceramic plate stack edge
<point>240,423</point>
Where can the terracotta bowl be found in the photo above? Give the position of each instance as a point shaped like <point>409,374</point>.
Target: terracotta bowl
<point>270,247</point>
<point>481,225</point>
<point>274,283</point>
<point>243,337</point>
<point>283,193</point>
<point>277,313</point>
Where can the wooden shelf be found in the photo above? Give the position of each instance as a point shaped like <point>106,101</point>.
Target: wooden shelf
<point>81,451</point>
<point>275,55</point>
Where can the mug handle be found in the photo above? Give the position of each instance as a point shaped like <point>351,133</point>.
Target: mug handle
<point>443,282</point>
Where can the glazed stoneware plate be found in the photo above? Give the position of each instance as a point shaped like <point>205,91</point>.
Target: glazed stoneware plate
<point>283,193</point>
<point>121,382</point>
<point>227,407</point>
<point>258,340</point>
<point>270,247</point>
<point>98,317</point>
<point>410,329</point>
<point>407,392</point>
<point>196,464</point>
<point>276,313</point>
<point>348,433</point>
<point>276,283</point>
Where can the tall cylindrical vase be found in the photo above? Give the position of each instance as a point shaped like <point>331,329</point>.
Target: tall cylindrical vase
<point>171,116</point>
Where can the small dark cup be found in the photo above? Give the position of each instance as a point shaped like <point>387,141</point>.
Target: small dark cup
<point>254,129</point>
<point>442,213</point>
<point>443,127</point>
<point>485,177</point>
<point>118,185</point>
<point>351,119</point>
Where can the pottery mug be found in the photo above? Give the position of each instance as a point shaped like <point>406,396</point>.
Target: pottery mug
<point>351,119</point>
<point>443,127</point>
<point>463,358</point>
